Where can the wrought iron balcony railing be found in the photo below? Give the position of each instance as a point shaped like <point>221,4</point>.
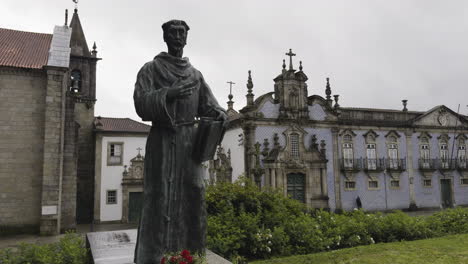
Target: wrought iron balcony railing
<point>427,164</point>
<point>374,164</point>
<point>395,164</point>
<point>351,164</point>
<point>440,164</point>
<point>461,164</point>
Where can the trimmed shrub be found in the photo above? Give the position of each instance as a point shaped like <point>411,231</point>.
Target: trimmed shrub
<point>244,222</point>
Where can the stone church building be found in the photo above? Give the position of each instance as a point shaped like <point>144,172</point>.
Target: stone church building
<point>47,97</point>
<point>340,158</point>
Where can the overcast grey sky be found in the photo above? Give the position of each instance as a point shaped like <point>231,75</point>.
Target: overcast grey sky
<point>376,52</point>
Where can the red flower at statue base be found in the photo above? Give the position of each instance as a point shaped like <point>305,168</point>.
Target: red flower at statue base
<point>183,258</point>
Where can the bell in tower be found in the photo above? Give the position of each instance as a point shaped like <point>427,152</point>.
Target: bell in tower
<point>291,91</point>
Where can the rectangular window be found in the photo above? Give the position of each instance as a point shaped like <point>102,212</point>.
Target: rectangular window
<point>373,184</point>
<point>461,157</point>
<point>464,181</point>
<point>427,183</point>
<point>294,145</point>
<point>115,154</point>
<point>393,156</point>
<point>348,155</point>
<point>395,184</point>
<point>444,156</point>
<point>371,157</point>
<point>425,156</point>
<point>111,197</point>
<point>350,185</point>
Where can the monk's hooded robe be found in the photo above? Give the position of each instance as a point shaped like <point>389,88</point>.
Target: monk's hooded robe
<point>173,214</point>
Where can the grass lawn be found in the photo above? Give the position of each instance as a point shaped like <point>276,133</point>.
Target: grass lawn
<point>449,249</point>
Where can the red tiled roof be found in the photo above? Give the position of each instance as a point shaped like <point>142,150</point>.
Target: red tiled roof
<point>24,49</point>
<point>112,124</point>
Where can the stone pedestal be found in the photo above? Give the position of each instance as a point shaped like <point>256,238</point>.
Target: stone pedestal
<point>118,247</point>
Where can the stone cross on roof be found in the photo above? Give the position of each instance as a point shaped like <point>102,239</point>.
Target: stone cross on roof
<point>290,54</point>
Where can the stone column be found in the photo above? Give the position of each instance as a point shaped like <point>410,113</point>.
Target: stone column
<point>54,122</point>
<point>409,167</point>
<point>323,177</point>
<point>273,177</point>
<point>336,169</point>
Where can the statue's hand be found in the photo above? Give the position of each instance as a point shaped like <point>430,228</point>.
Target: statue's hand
<point>181,89</point>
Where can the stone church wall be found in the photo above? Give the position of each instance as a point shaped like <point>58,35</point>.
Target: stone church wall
<point>21,146</point>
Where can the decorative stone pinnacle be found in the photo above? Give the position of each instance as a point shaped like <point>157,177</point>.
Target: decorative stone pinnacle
<point>300,65</point>
<point>276,141</point>
<point>76,5</point>
<point>322,147</point>
<point>314,144</point>
<point>328,90</point>
<point>249,83</point>
<point>284,65</point>
<point>66,17</point>
<point>290,54</point>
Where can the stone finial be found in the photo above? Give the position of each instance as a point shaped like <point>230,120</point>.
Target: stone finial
<point>405,103</point>
<point>66,17</point>
<point>314,144</point>
<point>266,149</point>
<point>336,97</point>
<point>76,5</point>
<point>284,65</point>
<point>250,95</point>
<point>328,93</point>
<point>94,51</point>
<point>300,65</point>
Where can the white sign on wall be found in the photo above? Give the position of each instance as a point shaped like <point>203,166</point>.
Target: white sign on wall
<point>49,210</point>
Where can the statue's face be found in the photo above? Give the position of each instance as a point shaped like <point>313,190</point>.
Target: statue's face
<point>176,36</point>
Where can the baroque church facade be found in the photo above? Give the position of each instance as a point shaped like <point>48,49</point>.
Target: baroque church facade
<point>340,158</point>
<point>48,92</point>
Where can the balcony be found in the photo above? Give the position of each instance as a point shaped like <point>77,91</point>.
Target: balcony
<point>428,164</point>
<point>351,164</point>
<point>461,164</point>
<point>395,164</point>
<point>374,164</point>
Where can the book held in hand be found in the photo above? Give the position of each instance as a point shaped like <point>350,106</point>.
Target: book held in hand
<point>209,134</point>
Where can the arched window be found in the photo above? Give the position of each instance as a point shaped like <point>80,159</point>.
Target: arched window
<point>424,152</point>
<point>75,81</point>
<point>392,148</point>
<point>294,138</point>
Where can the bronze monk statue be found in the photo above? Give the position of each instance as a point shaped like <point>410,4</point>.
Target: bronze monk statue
<point>172,94</point>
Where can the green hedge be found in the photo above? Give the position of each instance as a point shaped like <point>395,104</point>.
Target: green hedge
<point>70,249</point>
<point>243,221</point>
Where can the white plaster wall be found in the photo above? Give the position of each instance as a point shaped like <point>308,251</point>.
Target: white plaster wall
<point>111,176</point>
<point>231,141</point>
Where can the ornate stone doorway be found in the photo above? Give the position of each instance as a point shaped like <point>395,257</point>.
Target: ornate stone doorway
<point>296,186</point>
<point>132,190</point>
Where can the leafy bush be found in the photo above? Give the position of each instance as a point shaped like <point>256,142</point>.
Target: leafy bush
<point>70,249</point>
<point>246,222</point>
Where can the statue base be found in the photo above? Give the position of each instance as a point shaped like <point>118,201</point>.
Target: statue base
<point>118,247</point>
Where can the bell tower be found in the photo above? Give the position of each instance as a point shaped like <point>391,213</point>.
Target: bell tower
<point>82,97</point>
<point>291,91</point>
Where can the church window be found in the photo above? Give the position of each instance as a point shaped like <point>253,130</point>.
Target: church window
<point>395,183</point>
<point>427,183</point>
<point>75,81</point>
<point>392,148</point>
<point>373,184</point>
<point>294,145</point>
<point>111,197</point>
<point>114,156</point>
<point>350,185</point>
